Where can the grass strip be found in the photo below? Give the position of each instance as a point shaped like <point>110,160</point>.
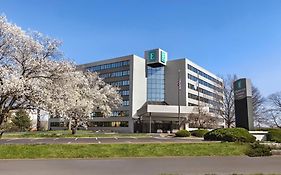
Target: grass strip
<point>120,150</point>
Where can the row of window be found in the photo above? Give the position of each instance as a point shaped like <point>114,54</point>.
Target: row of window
<point>115,74</point>
<point>155,70</point>
<point>125,103</point>
<point>120,114</point>
<point>192,104</point>
<point>151,80</point>
<point>57,124</point>
<point>113,114</point>
<point>155,97</point>
<point>158,86</point>
<point>120,83</point>
<point>191,77</point>
<point>205,100</point>
<point>108,66</point>
<point>109,124</point>
<point>156,90</point>
<point>211,110</point>
<point>204,74</point>
<point>124,92</point>
<point>96,124</point>
<point>191,86</point>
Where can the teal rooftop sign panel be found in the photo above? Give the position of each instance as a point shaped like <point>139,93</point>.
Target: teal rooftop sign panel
<point>156,57</point>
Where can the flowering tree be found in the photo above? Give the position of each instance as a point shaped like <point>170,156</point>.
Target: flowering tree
<point>33,76</point>
<point>91,94</point>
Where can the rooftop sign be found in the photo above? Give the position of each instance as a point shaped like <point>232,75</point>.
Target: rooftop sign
<point>156,57</point>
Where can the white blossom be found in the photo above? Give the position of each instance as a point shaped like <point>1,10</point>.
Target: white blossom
<point>33,75</point>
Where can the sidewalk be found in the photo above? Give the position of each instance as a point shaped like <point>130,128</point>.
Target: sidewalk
<point>145,166</point>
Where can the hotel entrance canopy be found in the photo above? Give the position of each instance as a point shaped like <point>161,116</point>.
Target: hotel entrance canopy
<point>164,112</point>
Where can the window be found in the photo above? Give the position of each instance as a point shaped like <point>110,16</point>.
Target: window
<point>155,83</point>
<point>124,92</point>
<point>193,69</point>
<point>109,66</point>
<point>97,114</point>
<point>57,124</point>
<point>120,114</point>
<point>125,83</point>
<point>205,100</point>
<point>114,114</point>
<point>115,74</point>
<point>120,83</point>
<point>191,77</point>
<point>191,86</point>
<point>191,104</point>
<point>125,103</point>
<point>109,124</point>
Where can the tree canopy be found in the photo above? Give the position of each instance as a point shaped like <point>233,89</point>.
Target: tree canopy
<point>35,75</point>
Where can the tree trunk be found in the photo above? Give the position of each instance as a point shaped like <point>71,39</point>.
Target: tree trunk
<point>2,117</point>
<point>69,125</point>
<point>38,125</point>
<point>74,128</point>
<point>228,124</point>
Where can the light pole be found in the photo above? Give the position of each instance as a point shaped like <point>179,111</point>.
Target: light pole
<point>150,122</point>
<point>179,89</point>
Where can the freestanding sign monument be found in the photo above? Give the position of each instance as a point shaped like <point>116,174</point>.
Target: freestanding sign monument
<point>243,104</point>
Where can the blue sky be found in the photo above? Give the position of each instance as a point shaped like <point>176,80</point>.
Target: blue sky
<point>240,37</point>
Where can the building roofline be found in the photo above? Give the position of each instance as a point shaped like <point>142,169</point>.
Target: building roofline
<point>200,67</point>
<point>105,61</point>
<point>110,60</point>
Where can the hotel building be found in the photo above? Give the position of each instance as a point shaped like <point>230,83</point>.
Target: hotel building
<point>157,94</point>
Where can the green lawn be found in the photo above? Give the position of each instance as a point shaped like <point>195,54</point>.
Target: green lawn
<point>65,133</point>
<point>120,150</point>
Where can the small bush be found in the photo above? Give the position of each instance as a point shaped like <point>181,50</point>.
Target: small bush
<point>230,135</point>
<point>258,150</point>
<point>199,132</point>
<point>274,135</point>
<point>182,133</point>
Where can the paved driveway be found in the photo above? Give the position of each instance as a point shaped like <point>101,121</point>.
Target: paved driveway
<point>100,140</point>
<point>143,166</point>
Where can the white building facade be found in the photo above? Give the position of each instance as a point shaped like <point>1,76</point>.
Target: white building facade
<point>158,94</point>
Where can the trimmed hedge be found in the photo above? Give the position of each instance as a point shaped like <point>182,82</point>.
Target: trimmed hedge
<point>199,132</point>
<point>182,133</point>
<point>230,135</point>
<point>274,135</point>
<point>258,150</point>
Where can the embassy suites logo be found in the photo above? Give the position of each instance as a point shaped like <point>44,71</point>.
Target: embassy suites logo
<point>156,57</point>
<point>152,56</point>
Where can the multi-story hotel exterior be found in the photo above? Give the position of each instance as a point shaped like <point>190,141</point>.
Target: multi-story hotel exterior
<point>157,94</point>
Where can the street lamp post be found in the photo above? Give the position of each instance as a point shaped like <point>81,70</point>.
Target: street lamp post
<point>150,122</point>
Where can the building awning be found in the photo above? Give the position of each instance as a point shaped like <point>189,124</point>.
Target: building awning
<point>164,111</point>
